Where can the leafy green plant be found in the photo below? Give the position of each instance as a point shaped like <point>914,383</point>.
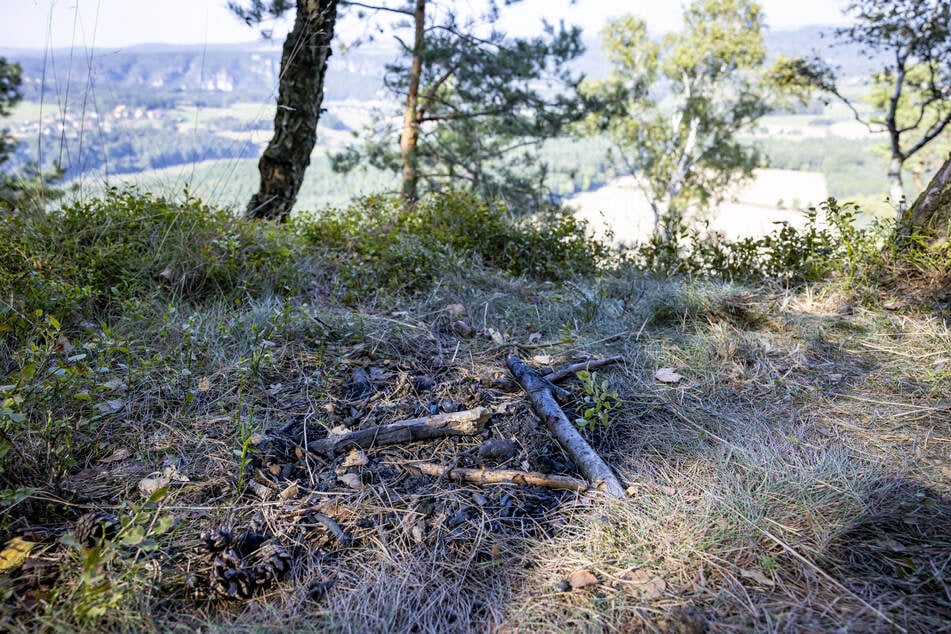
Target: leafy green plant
<point>830,242</point>
<point>599,401</point>
<point>113,571</point>
<point>379,243</point>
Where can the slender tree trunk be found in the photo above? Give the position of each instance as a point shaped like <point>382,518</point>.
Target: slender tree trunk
<point>931,211</point>
<point>303,67</point>
<point>896,190</point>
<point>409,138</point>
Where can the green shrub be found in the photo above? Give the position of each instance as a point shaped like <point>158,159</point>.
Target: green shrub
<point>89,259</point>
<point>792,255</point>
<point>379,243</point>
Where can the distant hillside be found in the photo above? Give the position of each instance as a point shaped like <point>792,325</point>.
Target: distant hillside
<point>156,76</point>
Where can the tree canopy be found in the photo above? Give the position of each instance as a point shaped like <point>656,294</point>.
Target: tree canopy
<point>674,107</point>
<point>910,96</point>
<point>476,105</point>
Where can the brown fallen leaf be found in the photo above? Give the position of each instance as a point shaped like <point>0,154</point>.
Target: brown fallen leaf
<point>581,579</point>
<point>667,375</point>
<point>204,384</point>
<point>289,492</point>
<point>758,577</point>
<point>148,486</point>
<point>356,458</point>
<point>116,456</point>
<point>352,480</point>
<point>644,584</point>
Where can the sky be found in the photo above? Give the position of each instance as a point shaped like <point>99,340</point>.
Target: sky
<point>119,23</point>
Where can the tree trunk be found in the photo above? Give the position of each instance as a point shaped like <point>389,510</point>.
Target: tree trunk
<point>931,211</point>
<point>303,67</point>
<point>410,135</point>
<point>896,190</point>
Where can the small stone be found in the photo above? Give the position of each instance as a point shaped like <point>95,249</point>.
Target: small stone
<point>423,383</point>
<point>463,329</point>
<point>498,449</point>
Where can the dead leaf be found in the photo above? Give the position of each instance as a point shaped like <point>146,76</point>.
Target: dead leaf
<point>418,531</point>
<point>581,579</point>
<point>542,359</point>
<point>117,455</point>
<point>151,484</point>
<point>497,337</point>
<point>352,480</point>
<point>114,384</point>
<point>111,407</point>
<point>667,375</point>
<point>535,336</point>
<point>172,473</point>
<point>290,492</point>
<point>758,577</point>
<point>946,472</point>
<point>261,490</point>
<point>62,345</point>
<point>644,584</point>
<point>167,274</point>
<point>356,458</point>
<point>204,384</point>
<point>15,553</point>
<point>456,310</point>
<point>338,430</point>
<point>895,304</point>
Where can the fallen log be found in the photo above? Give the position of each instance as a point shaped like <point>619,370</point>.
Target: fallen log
<point>565,371</point>
<point>541,394</point>
<point>465,423</point>
<point>500,476</point>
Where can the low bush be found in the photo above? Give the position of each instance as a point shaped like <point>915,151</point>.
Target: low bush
<point>379,243</point>
<point>831,242</point>
<point>89,259</point>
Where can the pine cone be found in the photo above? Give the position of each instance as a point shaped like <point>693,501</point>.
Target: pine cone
<point>216,540</point>
<point>229,578</point>
<point>94,527</point>
<point>272,561</point>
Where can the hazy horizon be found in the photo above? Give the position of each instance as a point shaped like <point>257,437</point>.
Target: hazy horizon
<point>32,24</point>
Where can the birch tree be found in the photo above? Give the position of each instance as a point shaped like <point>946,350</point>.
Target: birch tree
<point>674,107</point>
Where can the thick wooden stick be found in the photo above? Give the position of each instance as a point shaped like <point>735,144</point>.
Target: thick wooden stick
<point>565,371</point>
<point>597,472</point>
<point>500,476</point>
<point>465,423</point>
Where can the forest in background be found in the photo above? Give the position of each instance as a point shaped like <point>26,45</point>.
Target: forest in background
<point>165,117</point>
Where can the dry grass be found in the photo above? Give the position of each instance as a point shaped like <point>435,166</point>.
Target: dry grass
<point>796,479</point>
